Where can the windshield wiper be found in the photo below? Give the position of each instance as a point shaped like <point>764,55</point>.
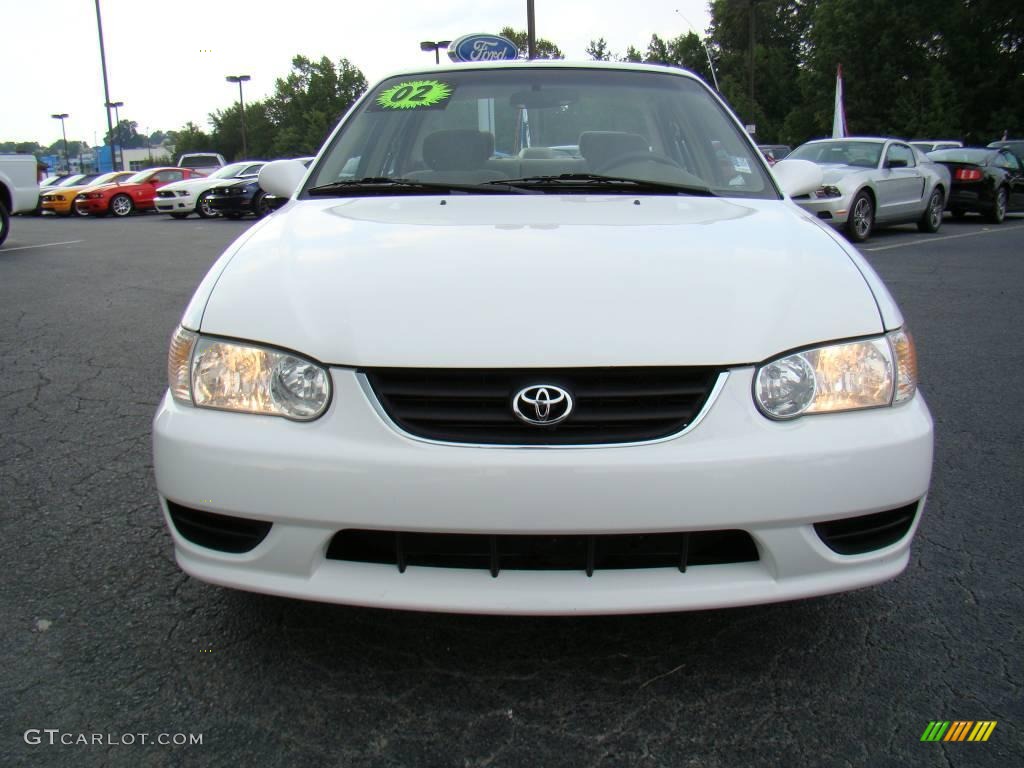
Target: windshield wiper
<point>387,185</point>
<point>596,180</point>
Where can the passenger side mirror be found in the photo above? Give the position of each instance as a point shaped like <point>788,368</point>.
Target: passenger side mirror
<point>798,177</point>
<point>282,177</point>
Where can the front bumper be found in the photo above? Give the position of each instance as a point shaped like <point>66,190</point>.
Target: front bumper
<point>734,470</point>
<point>60,207</point>
<point>92,206</point>
<point>833,210</point>
<point>228,204</point>
<point>176,204</point>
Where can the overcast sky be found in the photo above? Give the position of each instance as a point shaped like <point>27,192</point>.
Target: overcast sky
<point>167,60</point>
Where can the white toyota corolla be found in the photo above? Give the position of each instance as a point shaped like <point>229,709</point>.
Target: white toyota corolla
<point>542,338</point>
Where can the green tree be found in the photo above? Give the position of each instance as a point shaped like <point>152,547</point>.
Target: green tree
<point>260,132</point>
<point>598,50</point>
<point>309,101</point>
<point>545,48</point>
<point>190,139</point>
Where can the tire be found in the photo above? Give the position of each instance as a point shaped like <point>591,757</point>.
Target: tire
<point>931,219</point>
<point>260,206</point>
<point>5,223</point>
<point>998,212</point>
<point>75,213</point>
<point>862,218</point>
<point>179,215</point>
<point>121,205</point>
<point>958,213</point>
<point>203,207</point>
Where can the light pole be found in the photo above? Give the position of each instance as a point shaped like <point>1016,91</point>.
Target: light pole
<point>241,106</point>
<point>63,116</point>
<point>429,45</point>
<point>120,144</point>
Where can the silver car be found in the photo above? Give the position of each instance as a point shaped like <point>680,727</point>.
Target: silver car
<point>870,182</point>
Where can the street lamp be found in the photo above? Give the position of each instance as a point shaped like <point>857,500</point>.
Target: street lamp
<point>120,143</point>
<point>429,45</point>
<point>62,116</point>
<point>241,106</point>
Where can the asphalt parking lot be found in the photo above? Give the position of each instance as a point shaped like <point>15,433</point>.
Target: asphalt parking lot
<point>102,634</point>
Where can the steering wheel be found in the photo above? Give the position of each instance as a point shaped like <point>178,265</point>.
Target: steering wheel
<point>640,157</point>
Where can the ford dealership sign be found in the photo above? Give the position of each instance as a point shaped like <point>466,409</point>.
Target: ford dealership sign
<point>481,47</point>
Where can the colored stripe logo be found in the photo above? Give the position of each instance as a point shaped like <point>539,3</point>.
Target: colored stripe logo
<point>958,730</point>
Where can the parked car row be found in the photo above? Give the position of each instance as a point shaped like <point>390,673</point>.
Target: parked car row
<point>870,182</point>
<point>232,191</point>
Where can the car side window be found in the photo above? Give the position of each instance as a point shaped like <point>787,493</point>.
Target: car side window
<point>169,176</point>
<point>901,152</point>
<point>1006,160</point>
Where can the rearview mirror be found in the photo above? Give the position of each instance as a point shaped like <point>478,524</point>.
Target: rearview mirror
<point>282,177</point>
<point>797,177</point>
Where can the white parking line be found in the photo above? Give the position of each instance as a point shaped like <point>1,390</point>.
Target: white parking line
<point>986,231</point>
<point>44,245</point>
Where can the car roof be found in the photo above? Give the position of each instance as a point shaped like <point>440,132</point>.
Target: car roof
<point>875,139</point>
<point>541,64</point>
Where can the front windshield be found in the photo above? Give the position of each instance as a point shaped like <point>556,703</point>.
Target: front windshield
<point>973,156</point>
<point>863,154</point>
<point>70,181</point>
<point>480,127</point>
<point>107,178</point>
<point>139,177</point>
<point>229,171</point>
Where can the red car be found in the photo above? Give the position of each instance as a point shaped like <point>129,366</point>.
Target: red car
<point>135,193</point>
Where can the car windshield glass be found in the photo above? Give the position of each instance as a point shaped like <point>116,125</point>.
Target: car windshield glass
<point>106,178</point>
<point>864,154</point>
<point>228,171</point>
<point>474,126</point>
<point>139,177</point>
<point>973,156</point>
<point>70,181</point>
<point>199,161</point>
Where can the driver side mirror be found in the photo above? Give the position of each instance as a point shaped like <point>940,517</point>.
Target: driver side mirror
<point>282,177</point>
<point>798,177</point>
<point>895,162</point>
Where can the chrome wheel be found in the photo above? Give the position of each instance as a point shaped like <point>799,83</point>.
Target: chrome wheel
<point>931,219</point>
<point>203,207</point>
<point>121,205</point>
<point>862,218</point>
<point>999,212</point>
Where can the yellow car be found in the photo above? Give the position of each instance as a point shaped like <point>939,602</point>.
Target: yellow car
<point>61,199</point>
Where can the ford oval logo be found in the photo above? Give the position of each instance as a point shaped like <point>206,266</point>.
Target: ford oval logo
<point>481,47</point>
<point>542,404</point>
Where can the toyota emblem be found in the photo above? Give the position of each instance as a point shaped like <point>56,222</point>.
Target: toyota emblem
<point>542,405</point>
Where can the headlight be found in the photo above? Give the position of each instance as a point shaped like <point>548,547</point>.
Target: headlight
<point>871,373</point>
<point>183,193</point>
<point>234,376</point>
<point>828,191</point>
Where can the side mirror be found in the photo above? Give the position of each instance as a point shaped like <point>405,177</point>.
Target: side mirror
<point>282,177</point>
<point>895,163</point>
<point>798,177</point>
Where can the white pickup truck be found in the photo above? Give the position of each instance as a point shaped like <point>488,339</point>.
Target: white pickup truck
<point>19,188</point>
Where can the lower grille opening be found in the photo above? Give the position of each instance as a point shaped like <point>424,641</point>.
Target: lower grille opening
<point>858,535</point>
<point>221,532</point>
<point>543,553</point>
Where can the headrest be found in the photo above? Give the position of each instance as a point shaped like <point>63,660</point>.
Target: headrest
<point>600,147</point>
<point>457,150</point>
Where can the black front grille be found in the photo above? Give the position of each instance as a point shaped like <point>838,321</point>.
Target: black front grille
<point>611,405</point>
<point>866,533</point>
<point>543,553</point>
<point>224,533</point>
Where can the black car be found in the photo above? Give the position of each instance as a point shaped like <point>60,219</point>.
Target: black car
<point>236,199</point>
<point>984,180</point>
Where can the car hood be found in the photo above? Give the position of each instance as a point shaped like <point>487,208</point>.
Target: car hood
<point>538,280</point>
<point>833,173</point>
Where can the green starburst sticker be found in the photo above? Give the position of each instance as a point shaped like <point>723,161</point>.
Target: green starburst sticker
<point>416,93</point>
